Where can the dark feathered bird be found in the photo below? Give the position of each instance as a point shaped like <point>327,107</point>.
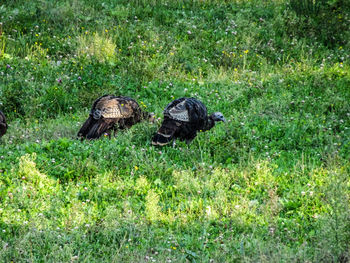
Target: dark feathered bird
<point>3,124</point>
<point>183,118</point>
<point>111,112</point>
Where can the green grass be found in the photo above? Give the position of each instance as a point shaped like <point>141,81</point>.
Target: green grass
<point>270,185</point>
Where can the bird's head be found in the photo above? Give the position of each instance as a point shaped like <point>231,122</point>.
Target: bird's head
<point>218,116</point>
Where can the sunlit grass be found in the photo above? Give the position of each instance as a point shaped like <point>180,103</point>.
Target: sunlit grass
<point>98,46</point>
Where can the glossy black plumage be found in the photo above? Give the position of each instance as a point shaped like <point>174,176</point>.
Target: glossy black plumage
<point>183,118</point>
<point>109,113</point>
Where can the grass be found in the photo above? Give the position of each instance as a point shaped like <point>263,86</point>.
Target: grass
<point>270,185</point>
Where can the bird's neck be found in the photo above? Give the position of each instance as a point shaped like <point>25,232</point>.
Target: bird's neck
<point>210,123</point>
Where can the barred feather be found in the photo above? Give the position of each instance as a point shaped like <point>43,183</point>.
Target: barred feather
<point>166,132</point>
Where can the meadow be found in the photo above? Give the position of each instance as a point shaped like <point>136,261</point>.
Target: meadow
<point>269,185</point>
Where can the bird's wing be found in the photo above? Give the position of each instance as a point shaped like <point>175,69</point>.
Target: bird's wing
<point>111,107</point>
<point>128,107</point>
<point>177,112</point>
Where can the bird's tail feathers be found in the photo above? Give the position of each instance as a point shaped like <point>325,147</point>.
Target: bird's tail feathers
<point>98,129</point>
<point>84,130</point>
<point>165,134</point>
<point>161,139</point>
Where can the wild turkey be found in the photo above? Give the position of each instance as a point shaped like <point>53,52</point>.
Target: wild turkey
<point>3,124</point>
<point>183,118</point>
<point>111,112</point>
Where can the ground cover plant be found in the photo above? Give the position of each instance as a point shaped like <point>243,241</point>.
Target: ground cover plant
<point>270,185</point>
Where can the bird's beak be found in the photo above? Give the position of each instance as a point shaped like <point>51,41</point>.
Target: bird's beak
<point>223,119</point>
